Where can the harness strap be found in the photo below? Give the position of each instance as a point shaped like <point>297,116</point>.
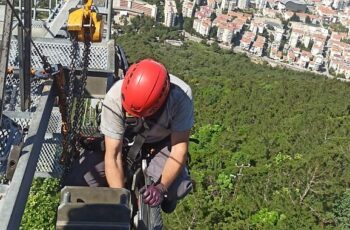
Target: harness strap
<point>134,152</point>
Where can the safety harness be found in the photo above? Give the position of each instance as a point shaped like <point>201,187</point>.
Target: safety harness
<point>137,130</point>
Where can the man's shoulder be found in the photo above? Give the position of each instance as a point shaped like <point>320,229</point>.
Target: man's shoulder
<point>115,91</point>
<point>181,85</point>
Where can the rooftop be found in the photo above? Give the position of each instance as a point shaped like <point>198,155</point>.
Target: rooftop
<point>326,10</point>
<point>293,1</point>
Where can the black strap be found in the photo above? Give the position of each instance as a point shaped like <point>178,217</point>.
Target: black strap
<point>133,153</point>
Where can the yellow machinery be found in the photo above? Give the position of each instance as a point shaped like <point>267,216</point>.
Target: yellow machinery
<point>84,21</point>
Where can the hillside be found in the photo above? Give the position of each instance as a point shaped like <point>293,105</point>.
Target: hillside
<point>274,143</point>
<point>273,149</point>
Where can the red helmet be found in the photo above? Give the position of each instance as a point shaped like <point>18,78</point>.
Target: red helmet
<point>145,87</point>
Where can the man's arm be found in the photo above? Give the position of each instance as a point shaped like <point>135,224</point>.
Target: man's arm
<point>177,158</point>
<point>113,163</point>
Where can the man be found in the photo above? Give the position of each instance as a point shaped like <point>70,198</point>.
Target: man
<point>164,102</point>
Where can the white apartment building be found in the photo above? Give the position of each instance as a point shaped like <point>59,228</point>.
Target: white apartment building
<point>257,27</point>
<point>232,5</point>
<point>243,4</point>
<point>260,4</point>
<point>202,26</point>
<point>340,4</point>
<point>187,8</point>
<point>306,40</point>
<point>225,34</point>
<point>278,34</point>
<point>224,4</point>
<point>170,13</point>
<point>317,49</point>
<point>293,40</point>
<point>327,2</point>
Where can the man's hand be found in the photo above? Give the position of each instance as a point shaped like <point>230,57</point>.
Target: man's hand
<point>153,195</point>
<point>177,158</point>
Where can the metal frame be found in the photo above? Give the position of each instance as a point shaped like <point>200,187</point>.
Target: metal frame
<point>13,204</point>
<point>5,49</point>
<point>57,51</point>
<point>24,54</point>
<point>15,195</point>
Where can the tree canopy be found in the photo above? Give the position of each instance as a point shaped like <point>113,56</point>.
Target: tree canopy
<point>273,143</point>
<point>273,150</point>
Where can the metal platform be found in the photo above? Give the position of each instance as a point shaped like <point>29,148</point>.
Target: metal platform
<point>39,130</point>
<point>48,163</point>
<point>15,122</point>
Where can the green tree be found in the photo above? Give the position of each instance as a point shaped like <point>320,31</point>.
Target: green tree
<point>213,32</point>
<point>338,27</point>
<point>215,47</point>
<point>295,18</point>
<point>188,25</point>
<point>346,40</point>
<point>212,16</point>
<point>308,20</point>
<point>43,200</point>
<point>341,210</point>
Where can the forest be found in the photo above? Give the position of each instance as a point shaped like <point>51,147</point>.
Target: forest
<point>273,149</point>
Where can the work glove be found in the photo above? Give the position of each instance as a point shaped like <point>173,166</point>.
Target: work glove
<point>153,194</point>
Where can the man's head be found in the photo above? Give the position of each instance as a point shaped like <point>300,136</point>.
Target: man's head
<point>145,88</point>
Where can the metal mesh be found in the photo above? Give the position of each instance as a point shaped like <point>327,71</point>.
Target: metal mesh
<point>49,157</point>
<point>14,129</point>
<point>10,134</point>
<point>57,51</point>
<point>12,93</point>
<point>38,24</point>
<point>55,122</point>
<point>50,153</point>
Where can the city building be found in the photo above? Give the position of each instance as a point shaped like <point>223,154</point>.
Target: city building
<point>204,12</point>
<point>202,26</point>
<point>224,4</point>
<point>294,37</point>
<point>257,25</point>
<point>271,13</point>
<point>247,40</point>
<point>326,13</point>
<point>170,13</point>
<point>258,46</point>
<point>292,5</point>
<point>187,8</point>
<point>242,4</point>
<point>133,8</point>
<point>260,4</point>
<point>327,2</point>
<point>226,33</point>
<point>211,4</point>
<point>232,5</point>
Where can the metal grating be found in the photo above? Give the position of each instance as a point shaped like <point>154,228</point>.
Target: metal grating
<point>10,134</point>
<point>14,128</point>
<point>55,122</point>
<point>12,93</point>
<point>58,51</point>
<point>38,24</point>
<point>49,157</point>
<point>50,153</point>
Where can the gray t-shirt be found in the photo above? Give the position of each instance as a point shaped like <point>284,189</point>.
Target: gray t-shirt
<point>177,115</point>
